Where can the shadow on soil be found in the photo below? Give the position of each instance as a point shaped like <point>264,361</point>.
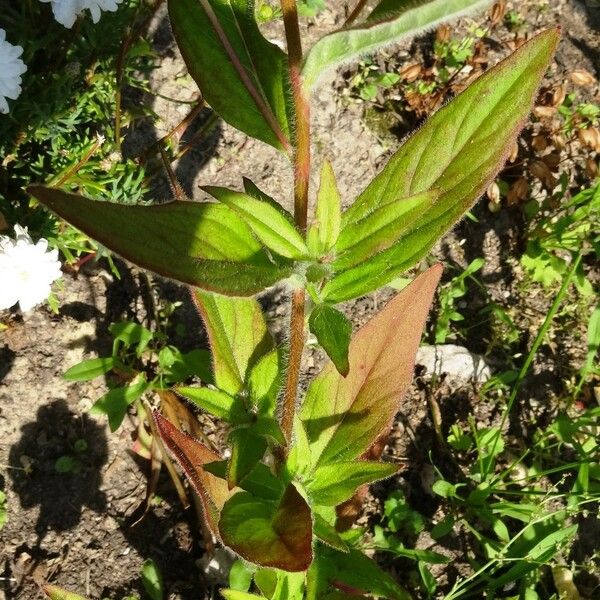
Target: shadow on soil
<point>61,456</point>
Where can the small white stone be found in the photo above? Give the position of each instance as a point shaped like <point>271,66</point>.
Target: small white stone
<point>456,362</point>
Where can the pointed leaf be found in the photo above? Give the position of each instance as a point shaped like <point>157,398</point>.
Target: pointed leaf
<point>268,427</point>
<point>264,383</point>
<point>392,8</point>
<point>240,74</point>
<point>217,403</point>
<point>299,459</point>
<point>56,593</point>
<point>152,580</point>
<point>458,152</point>
<point>335,483</point>
<point>380,229</point>
<point>247,449</point>
<point>384,267</point>
<point>115,402</point>
<point>89,369</point>
<point>333,331</point>
<point>351,571</point>
<point>253,190</point>
<point>269,534</point>
<point>268,224</point>
<point>345,45</point>
<point>324,231</point>
<point>238,337</point>
<point>230,594</point>
<point>192,456</point>
<point>240,575</point>
<point>344,416</point>
<point>201,243</point>
<point>327,534</point>
<point>259,482</point>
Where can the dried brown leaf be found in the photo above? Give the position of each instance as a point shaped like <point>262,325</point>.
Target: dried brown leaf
<point>411,72</point>
<point>518,191</point>
<point>590,137</point>
<point>497,12</point>
<point>582,77</point>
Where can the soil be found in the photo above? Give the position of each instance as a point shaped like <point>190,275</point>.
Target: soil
<point>77,529</point>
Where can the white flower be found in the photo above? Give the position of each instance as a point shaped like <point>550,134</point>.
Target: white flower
<point>11,69</point>
<point>67,11</point>
<point>27,270</point>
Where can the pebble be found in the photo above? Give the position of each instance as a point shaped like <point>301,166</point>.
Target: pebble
<point>456,362</point>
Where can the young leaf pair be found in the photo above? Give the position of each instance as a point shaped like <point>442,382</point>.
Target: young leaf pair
<point>249,243</point>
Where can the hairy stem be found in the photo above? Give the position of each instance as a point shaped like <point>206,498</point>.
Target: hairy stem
<point>295,357</point>
<point>301,177</point>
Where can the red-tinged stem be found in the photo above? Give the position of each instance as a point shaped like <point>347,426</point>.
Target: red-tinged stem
<point>294,360</point>
<point>301,179</point>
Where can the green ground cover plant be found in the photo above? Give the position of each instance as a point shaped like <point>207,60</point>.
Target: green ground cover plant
<point>64,129</point>
<point>286,498</point>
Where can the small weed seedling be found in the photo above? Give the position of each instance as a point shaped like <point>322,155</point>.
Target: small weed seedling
<point>286,497</point>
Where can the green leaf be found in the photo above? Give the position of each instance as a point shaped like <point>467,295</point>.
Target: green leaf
<point>358,573</point>
<point>238,337</point>
<point>88,369</point>
<point>333,331</point>
<point>216,402</point>
<point>152,580</point>
<point>328,535</point>
<point>259,482</point>
<point>458,152</point>
<point>187,364</point>
<point>324,231</point>
<point>240,74</point>
<point>204,244</point>
<point>272,228</point>
<point>114,403</point>
<point>3,510</point>
<point>380,229</point>
<point>56,593</point>
<point>344,416</point>
<point>131,333</point>
<point>192,456</point>
<point>269,534</point>
<point>392,8</point>
<point>299,458</point>
<point>240,576</point>
<point>348,44</point>
<point>253,190</point>
<point>269,428</point>
<point>593,339</point>
<point>229,594</point>
<point>247,449</point>
<point>382,268</point>
<point>334,483</point>
<point>290,586</point>
<point>264,382</point>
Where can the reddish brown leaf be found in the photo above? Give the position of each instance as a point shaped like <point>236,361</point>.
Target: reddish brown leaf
<point>268,533</point>
<point>191,456</point>
<point>344,416</point>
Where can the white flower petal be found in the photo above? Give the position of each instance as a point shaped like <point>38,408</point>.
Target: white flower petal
<point>28,270</point>
<point>67,11</point>
<point>11,69</point>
